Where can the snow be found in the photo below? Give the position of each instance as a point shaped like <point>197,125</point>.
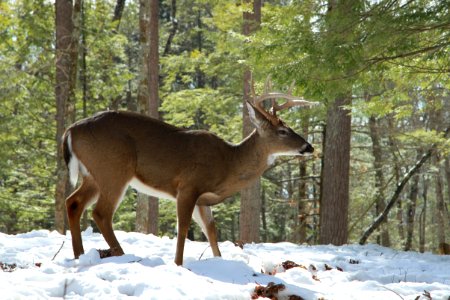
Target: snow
<point>147,270</point>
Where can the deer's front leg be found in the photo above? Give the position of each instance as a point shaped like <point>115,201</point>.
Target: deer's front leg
<point>185,207</point>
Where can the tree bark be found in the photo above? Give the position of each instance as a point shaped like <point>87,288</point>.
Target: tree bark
<point>250,211</point>
<point>441,212</point>
<point>147,208</point>
<point>154,97</point>
<point>423,217</point>
<point>173,30</point>
<point>379,179</point>
<point>118,11</point>
<point>84,86</point>
<point>64,27</point>
<point>263,215</point>
<point>67,35</point>
<point>447,176</point>
<point>335,176</point>
<point>436,121</point>
<point>411,212</point>
<point>393,149</point>
<point>302,207</point>
<point>74,50</point>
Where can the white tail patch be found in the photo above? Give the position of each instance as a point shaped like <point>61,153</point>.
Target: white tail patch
<point>75,164</point>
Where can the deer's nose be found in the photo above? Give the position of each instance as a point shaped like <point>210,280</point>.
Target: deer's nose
<point>307,149</point>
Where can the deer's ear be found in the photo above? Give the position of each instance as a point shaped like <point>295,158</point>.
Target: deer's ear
<point>258,119</point>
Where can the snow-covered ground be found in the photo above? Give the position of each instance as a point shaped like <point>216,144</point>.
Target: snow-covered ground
<point>147,270</point>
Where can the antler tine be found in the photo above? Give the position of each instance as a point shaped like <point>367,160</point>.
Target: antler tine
<point>294,102</point>
<point>267,91</point>
<point>268,85</point>
<point>273,96</point>
<point>291,88</point>
<point>291,101</point>
<point>253,90</point>
<point>256,101</point>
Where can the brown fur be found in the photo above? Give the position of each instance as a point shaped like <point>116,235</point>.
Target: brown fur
<point>193,167</point>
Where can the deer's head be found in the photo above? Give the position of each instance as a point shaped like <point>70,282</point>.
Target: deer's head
<point>281,139</point>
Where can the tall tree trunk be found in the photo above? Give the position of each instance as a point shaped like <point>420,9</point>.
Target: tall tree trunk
<point>67,35</point>
<point>249,219</point>
<point>335,176</point>
<point>118,11</point>
<point>263,215</point>
<point>154,97</point>
<point>447,176</point>
<point>64,28</point>
<point>411,211</point>
<point>379,179</point>
<point>436,122</point>
<point>393,150</point>
<point>173,30</point>
<point>147,208</point>
<point>302,207</point>
<point>441,212</point>
<point>317,191</point>
<point>423,217</point>
<point>74,50</point>
<point>84,86</point>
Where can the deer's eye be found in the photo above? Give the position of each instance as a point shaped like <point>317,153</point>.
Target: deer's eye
<point>282,132</point>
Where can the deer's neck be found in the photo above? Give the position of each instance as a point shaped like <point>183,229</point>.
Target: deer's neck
<point>250,158</point>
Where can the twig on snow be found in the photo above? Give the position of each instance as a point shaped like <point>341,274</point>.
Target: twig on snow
<point>58,251</point>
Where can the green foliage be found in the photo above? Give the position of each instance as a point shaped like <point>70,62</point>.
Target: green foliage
<point>26,106</point>
<point>204,109</point>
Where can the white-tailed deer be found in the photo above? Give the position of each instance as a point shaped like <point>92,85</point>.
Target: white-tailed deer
<point>113,150</point>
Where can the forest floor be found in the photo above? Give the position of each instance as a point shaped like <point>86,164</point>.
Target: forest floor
<point>35,266</point>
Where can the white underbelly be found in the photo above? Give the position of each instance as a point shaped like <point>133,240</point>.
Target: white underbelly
<point>146,189</point>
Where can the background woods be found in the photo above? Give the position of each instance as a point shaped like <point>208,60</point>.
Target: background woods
<point>381,172</point>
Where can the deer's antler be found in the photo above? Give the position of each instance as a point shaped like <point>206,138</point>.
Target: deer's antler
<point>258,101</point>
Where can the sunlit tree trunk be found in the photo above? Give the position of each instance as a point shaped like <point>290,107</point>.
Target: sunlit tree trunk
<point>436,122</point>
<point>423,217</point>
<point>335,176</point>
<point>250,213</point>
<point>147,208</point>
<point>84,84</point>
<point>411,211</point>
<point>302,206</point>
<point>334,200</point>
<point>379,179</point>
<point>67,18</point>
<point>441,213</point>
<point>393,150</point>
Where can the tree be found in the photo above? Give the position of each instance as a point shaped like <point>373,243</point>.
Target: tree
<point>67,35</point>
<point>334,201</point>
<point>249,220</point>
<point>118,11</point>
<point>379,177</point>
<point>148,100</point>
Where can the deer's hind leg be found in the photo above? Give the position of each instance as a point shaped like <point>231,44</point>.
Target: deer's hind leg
<point>204,217</point>
<point>103,215</point>
<point>76,203</point>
